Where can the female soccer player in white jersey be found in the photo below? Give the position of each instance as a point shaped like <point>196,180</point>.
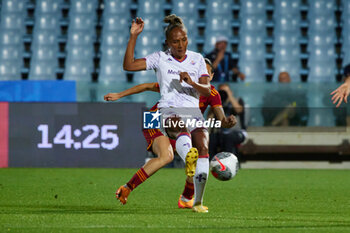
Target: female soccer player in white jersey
<point>182,77</point>
<point>158,143</point>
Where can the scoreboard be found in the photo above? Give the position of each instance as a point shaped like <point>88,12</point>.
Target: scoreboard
<point>74,135</point>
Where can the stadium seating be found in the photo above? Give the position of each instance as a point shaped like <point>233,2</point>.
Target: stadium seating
<point>321,43</point>
<point>346,32</point>
<point>218,22</point>
<point>115,32</point>
<point>321,7</point>
<point>41,30</point>
<point>81,36</point>
<point>11,32</point>
<point>254,70</point>
<point>252,40</point>
<point>216,26</point>
<point>44,48</point>
<point>346,48</point>
<point>319,114</point>
<point>150,7</point>
<point>218,7</point>
<point>116,7</point>
<point>287,7</point>
<point>48,6</point>
<point>83,7</point>
<point>253,7</point>
<point>286,39</point>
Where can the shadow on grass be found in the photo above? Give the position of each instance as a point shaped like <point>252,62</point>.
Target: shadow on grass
<point>76,209</point>
<point>83,209</point>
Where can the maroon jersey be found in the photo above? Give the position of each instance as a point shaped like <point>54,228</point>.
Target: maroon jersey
<point>214,100</point>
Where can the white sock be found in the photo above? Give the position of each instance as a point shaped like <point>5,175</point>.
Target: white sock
<point>183,145</point>
<point>200,179</point>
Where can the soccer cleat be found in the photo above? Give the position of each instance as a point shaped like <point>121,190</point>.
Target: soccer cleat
<point>122,194</point>
<point>200,208</point>
<point>185,204</point>
<point>191,162</point>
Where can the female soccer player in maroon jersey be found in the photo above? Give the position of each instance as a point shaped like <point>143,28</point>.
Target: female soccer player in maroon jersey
<point>154,136</point>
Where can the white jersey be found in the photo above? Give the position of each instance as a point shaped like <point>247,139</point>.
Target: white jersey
<point>167,68</point>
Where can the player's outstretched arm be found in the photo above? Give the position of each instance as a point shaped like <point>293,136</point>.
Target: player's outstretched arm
<point>133,90</point>
<point>130,63</point>
<point>341,93</point>
<point>226,122</point>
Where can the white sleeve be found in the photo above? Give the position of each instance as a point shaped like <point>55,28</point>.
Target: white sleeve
<point>152,61</point>
<point>202,68</point>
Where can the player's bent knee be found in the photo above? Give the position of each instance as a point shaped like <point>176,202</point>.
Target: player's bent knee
<point>167,158</point>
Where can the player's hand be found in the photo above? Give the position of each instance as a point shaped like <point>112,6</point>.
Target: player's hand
<point>229,121</point>
<point>184,76</point>
<point>241,76</point>
<point>340,94</point>
<point>137,26</point>
<point>112,97</point>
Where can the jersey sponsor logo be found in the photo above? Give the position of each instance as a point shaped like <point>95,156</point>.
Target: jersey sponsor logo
<point>178,72</point>
<point>151,120</point>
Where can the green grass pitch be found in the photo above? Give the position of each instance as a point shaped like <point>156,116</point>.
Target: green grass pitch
<point>82,200</point>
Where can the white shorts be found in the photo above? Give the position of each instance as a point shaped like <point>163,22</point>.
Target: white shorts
<point>191,117</point>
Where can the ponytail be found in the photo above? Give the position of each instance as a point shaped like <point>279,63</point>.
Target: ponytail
<point>173,21</point>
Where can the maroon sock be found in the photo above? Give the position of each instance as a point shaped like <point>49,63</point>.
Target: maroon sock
<point>139,177</point>
<point>188,191</point>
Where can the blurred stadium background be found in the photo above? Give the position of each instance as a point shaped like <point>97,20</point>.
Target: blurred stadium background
<point>72,51</point>
<point>58,58</point>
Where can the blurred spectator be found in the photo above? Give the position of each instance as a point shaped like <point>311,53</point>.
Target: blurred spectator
<point>285,106</point>
<point>284,77</point>
<point>229,139</point>
<point>223,63</point>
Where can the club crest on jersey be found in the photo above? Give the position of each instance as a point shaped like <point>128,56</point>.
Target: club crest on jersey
<point>151,120</point>
<point>193,63</point>
<point>169,59</point>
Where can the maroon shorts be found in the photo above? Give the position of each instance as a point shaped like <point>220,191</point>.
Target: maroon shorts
<point>151,134</point>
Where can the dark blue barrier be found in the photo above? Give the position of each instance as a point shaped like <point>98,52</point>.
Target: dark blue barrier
<point>37,91</point>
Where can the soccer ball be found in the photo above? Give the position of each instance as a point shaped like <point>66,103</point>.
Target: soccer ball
<point>224,166</point>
